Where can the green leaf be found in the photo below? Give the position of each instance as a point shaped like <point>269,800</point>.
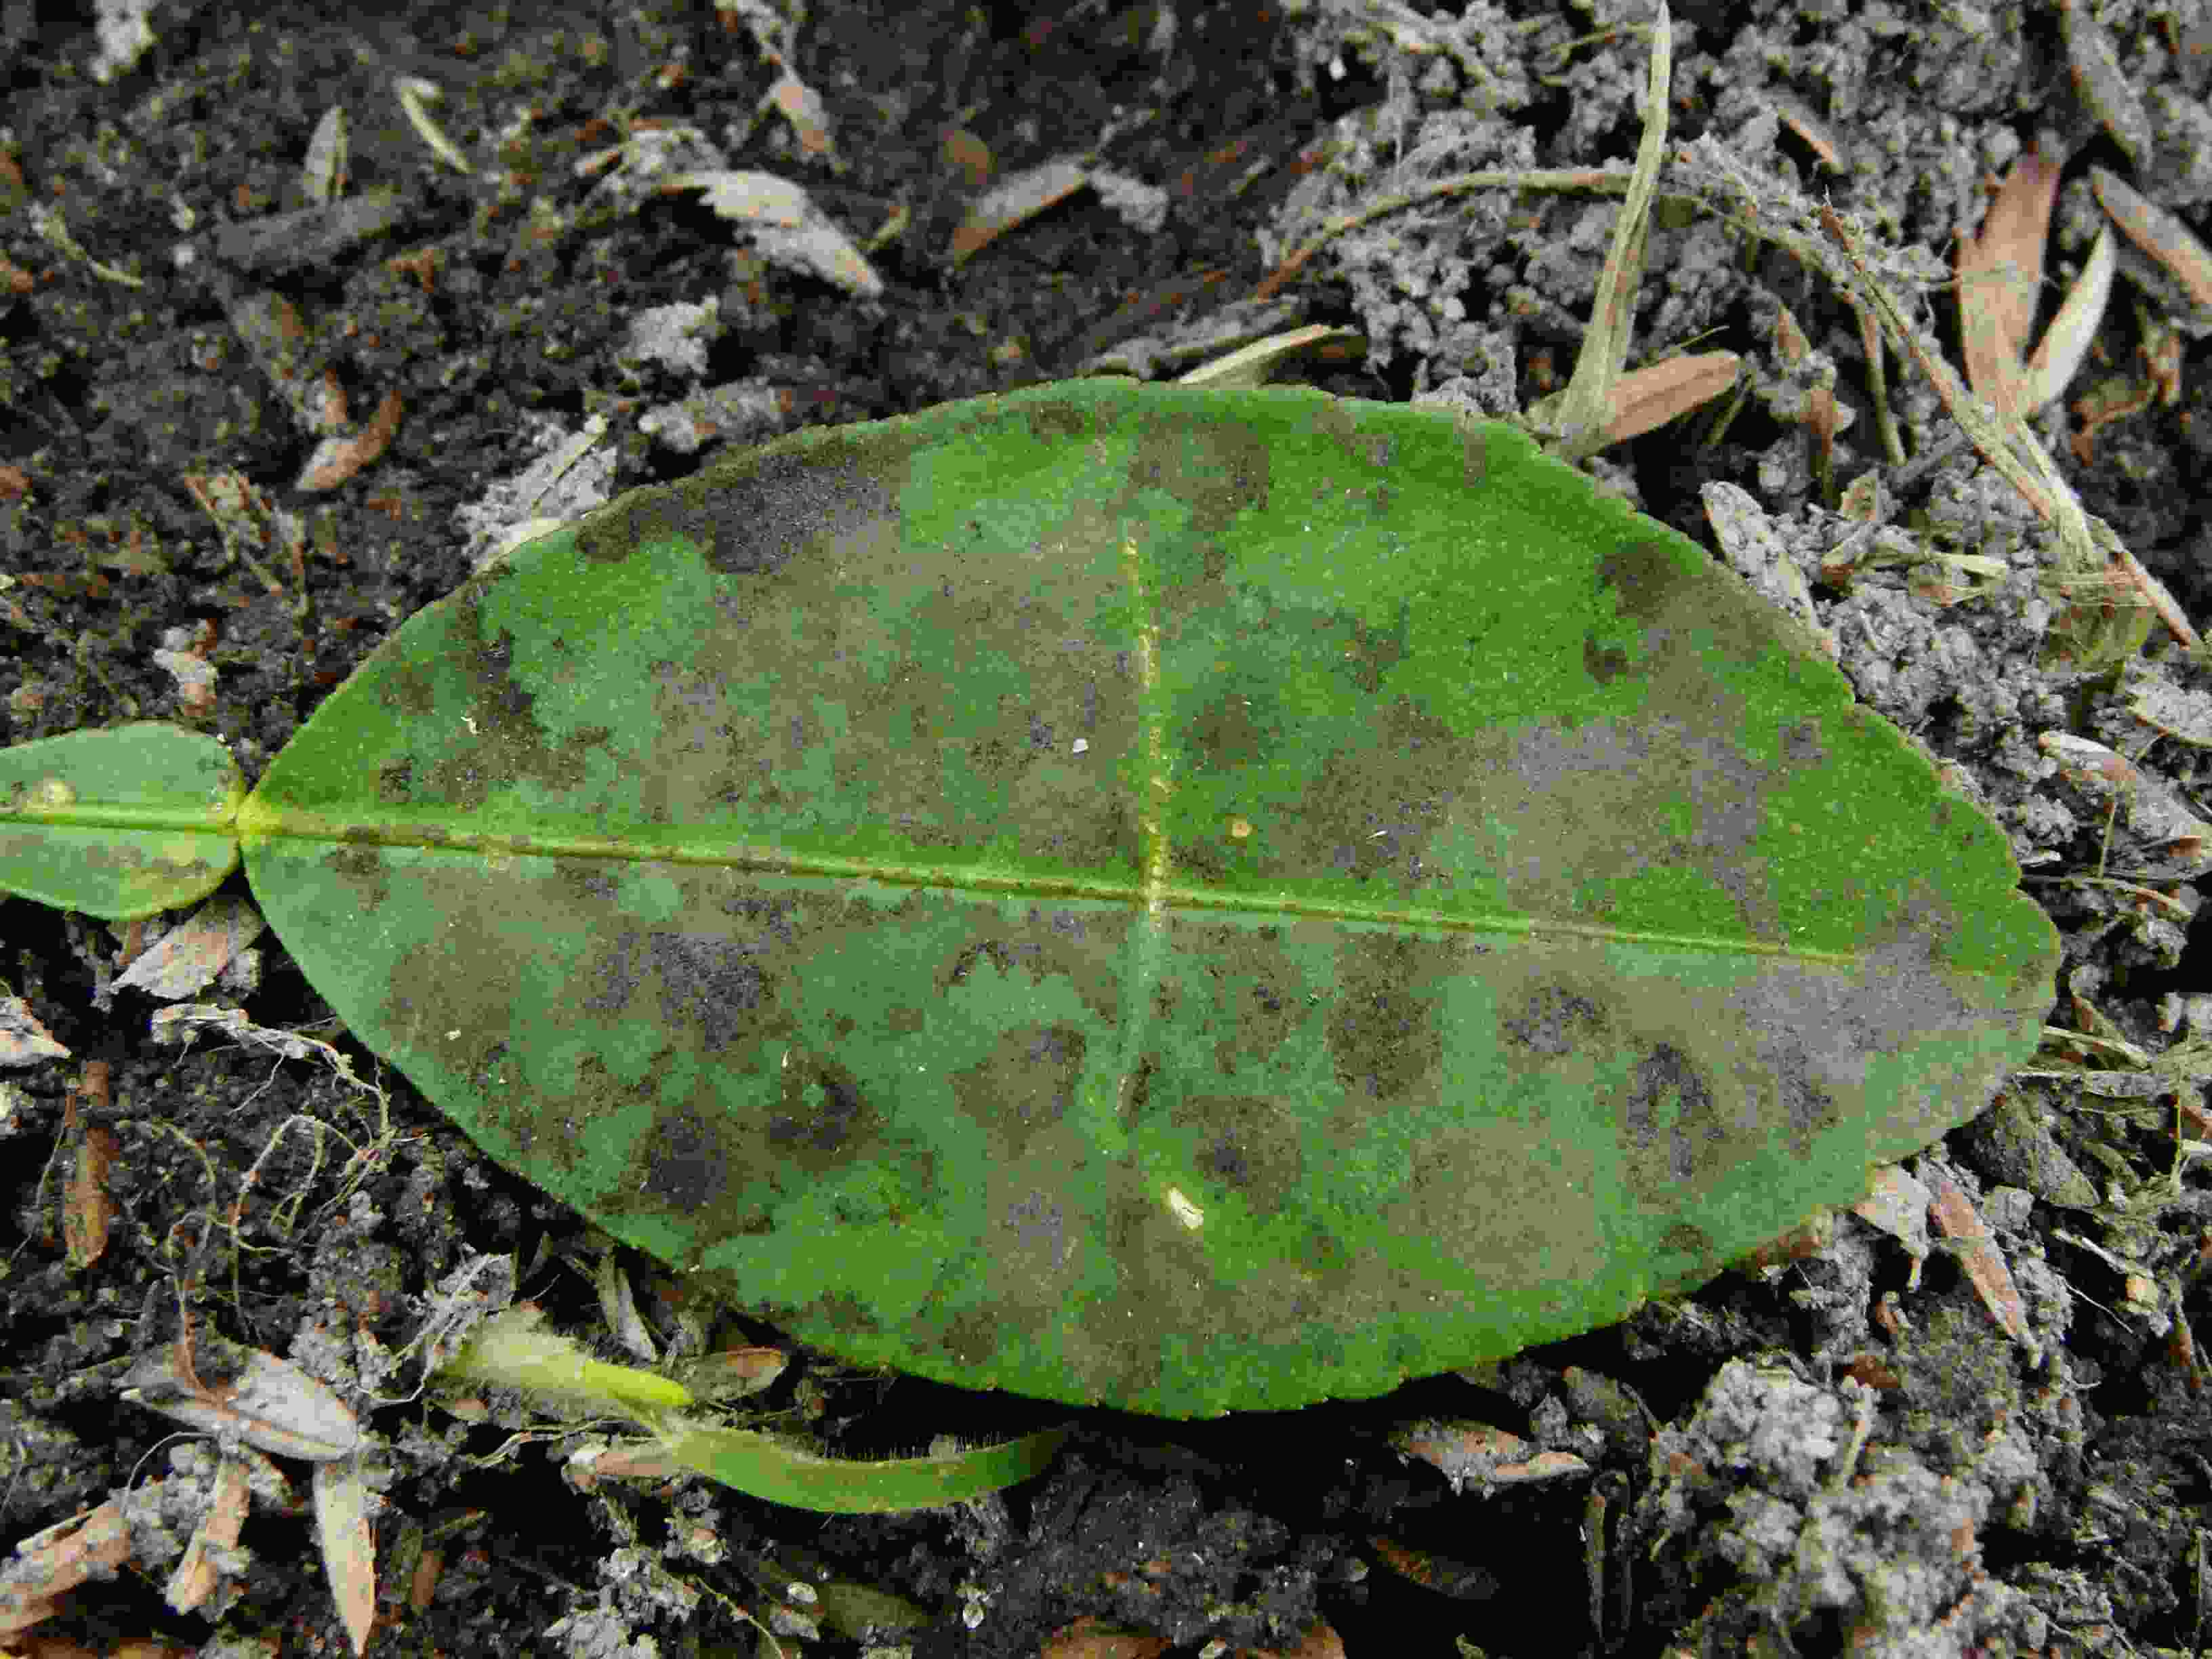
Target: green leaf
<point>784,1470</point>
<point>1185,899</point>
<point>120,823</point>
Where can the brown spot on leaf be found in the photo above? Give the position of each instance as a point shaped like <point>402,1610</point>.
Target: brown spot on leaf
<point>685,1167</point>
<point>1644,575</point>
<point>1383,1031</point>
<point>1603,662</point>
<point>754,514</point>
<point>1670,1123</point>
<point>1026,1084</point>
<point>1801,745</point>
<point>1250,1144</point>
<point>1554,1020</point>
<point>824,1119</point>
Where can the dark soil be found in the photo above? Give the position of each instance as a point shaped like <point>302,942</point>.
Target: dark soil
<point>1822,1457</point>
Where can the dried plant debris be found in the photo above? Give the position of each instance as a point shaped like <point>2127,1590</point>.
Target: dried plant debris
<point>24,1040</point>
<point>190,956</point>
<point>2000,287</point>
<point>783,223</point>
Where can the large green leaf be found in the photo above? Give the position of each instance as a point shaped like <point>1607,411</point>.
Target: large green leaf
<point>1184,899</point>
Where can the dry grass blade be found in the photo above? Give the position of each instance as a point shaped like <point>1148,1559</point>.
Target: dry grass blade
<point>341,1499</point>
<point>415,95</point>
<point>2158,233</point>
<point>2087,544</point>
<point>322,174</point>
<point>1256,364</point>
<point>1587,409</point>
<point>2065,344</point>
<point>2154,591</point>
<point>1020,198</point>
<point>2102,85</point>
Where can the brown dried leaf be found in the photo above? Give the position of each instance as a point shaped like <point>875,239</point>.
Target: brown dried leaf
<point>1484,1454</point>
<point>23,1040</point>
<point>1466,1580</point>
<point>1651,396</point>
<point>1791,345</point>
<point>88,1210</point>
<point>196,1574</point>
<point>1656,394</point>
<point>48,1565</point>
<point>2164,837</point>
<point>784,224</point>
<point>963,153</point>
<point>1321,1641</point>
<point>1825,148</point>
<point>188,956</point>
<point>1984,1264</point>
<point>1021,198</point>
<point>423,1583</point>
<point>1897,1205</point>
<point>268,1403</point>
<point>1091,1637</point>
<point>2001,279</point>
<point>801,105</point>
<point>337,459</point>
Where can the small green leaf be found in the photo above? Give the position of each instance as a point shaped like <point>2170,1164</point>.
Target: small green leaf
<point>783,1472</point>
<point>1185,899</point>
<point>119,823</point>
<point>512,1349</point>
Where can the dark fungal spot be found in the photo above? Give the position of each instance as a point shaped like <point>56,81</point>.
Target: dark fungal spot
<point>1670,1121</point>
<point>686,1167</point>
<point>1554,1020</point>
<point>823,1118</point>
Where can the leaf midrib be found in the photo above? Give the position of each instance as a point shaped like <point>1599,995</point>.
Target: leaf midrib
<point>257,822</point>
